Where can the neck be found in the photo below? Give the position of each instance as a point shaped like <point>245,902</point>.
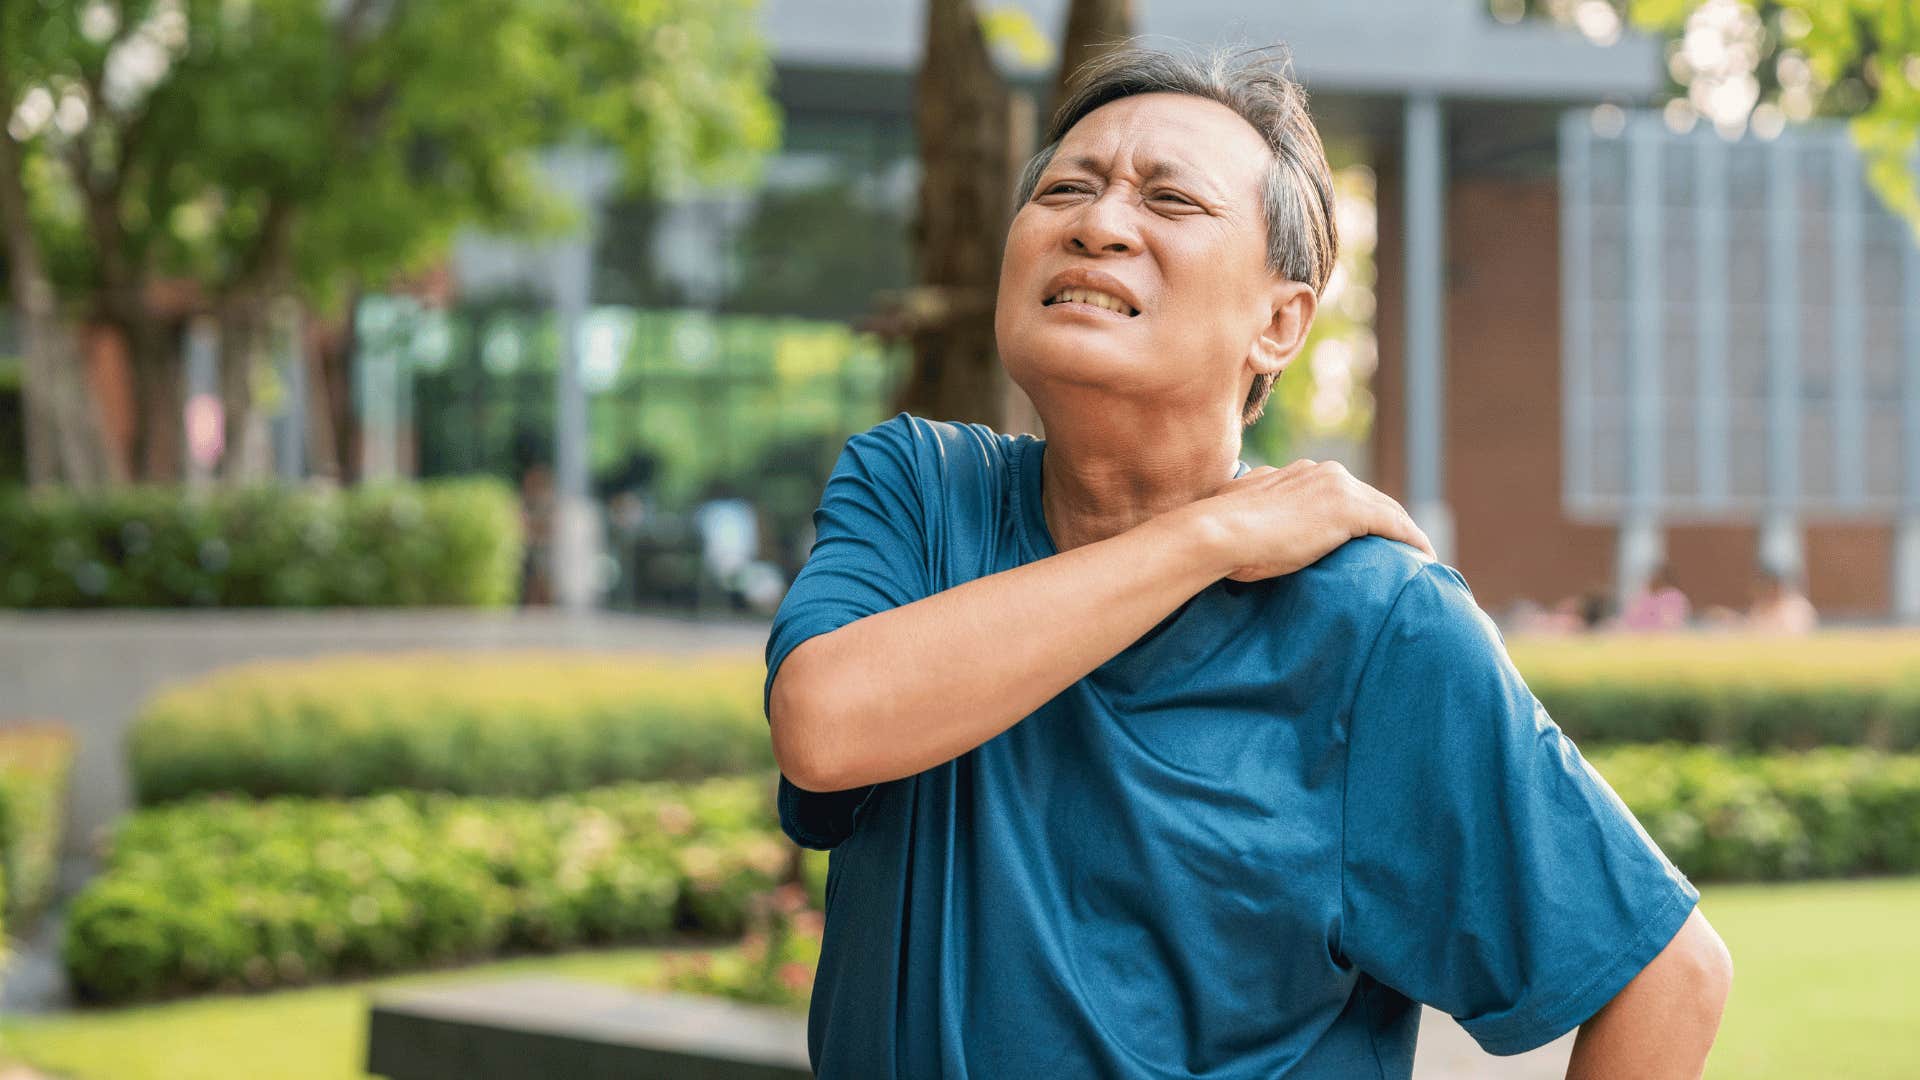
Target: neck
<point>1103,475</point>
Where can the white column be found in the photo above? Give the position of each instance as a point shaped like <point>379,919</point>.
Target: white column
<point>1906,546</point>
<point>584,176</point>
<point>1641,543</point>
<point>1781,548</point>
<point>575,547</point>
<point>1906,569</point>
<point>1425,172</point>
<point>1642,547</point>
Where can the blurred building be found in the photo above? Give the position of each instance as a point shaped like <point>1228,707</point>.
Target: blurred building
<point>1603,344</point>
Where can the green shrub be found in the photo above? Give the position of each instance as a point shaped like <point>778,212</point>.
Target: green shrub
<point>1742,692</point>
<point>521,723</point>
<point>231,894</point>
<point>448,542</point>
<point>35,763</point>
<point>1732,817</point>
<point>776,961</point>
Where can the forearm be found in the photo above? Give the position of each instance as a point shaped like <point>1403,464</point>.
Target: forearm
<point>912,687</point>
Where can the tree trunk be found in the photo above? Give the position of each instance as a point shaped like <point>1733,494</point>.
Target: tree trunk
<point>1094,28</point>
<point>64,440</point>
<point>153,454</point>
<point>1017,414</point>
<point>962,122</point>
<point>335,358</point>
<point>159,371</point>
<point>323,443</point>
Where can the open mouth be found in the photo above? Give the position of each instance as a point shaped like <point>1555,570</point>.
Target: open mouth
<point>1093,297</point>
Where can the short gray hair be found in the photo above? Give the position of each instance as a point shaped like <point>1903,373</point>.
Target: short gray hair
<point>1256,83</point>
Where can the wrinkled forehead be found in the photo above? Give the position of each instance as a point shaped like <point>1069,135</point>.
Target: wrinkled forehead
<point>1178,137</point>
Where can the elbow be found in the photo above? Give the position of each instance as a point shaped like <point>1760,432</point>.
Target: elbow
<point>1708,975</point>
<point>1716,974</point>
<point>800,743</point>
<point>806,767</point>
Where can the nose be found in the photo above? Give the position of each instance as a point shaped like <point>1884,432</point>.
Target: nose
<point>1104,225</point>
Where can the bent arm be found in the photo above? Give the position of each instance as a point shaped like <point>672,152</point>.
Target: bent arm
<point>905,689</point>
<point>1662,1025</point>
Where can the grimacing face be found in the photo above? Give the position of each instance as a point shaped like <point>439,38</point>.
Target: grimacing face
<point>1155,201</point>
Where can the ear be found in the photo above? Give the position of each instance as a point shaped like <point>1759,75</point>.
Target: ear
<point>1293,308</point>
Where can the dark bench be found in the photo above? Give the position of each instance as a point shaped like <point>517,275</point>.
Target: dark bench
<point>540,1028</point>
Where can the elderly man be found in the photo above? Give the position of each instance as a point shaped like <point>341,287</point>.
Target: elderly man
<point>1137,762</point>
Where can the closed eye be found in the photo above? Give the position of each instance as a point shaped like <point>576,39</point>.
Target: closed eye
<point>1070,187</point>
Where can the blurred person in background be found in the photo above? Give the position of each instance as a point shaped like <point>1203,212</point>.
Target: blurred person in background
<point>1596,610</point>
<point>1578,614</point>
<point>729,528</point>
<point>1780,607</point>
<point>536,521</point>
<point>1658,606</point>
<point>627,494</point>
<point>1139,762</point>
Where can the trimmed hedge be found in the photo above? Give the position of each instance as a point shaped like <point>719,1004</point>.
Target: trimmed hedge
<point>534,724</point>
<point>226,894</point>
<point>444,542</point>
<point>1741,817</point>
<point>35,764</point>
<point>1742,692</point>
<point>520,723</point>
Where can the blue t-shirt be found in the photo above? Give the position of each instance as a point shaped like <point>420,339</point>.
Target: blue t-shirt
<point>1243,848</point>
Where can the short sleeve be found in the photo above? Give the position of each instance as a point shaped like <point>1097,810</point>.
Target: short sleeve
<point>1488,870</point>
<point>869,555</point>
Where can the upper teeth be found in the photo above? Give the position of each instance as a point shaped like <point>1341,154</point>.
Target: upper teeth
<point>1094,297</point>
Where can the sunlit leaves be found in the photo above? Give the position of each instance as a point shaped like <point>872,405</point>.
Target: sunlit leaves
<point>378,129</point>
<point>1864,58</point>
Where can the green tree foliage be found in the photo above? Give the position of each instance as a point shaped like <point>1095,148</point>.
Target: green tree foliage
<point>1864,56</point>
<point>382,126</point>
<point>1794,59</point>
<point>259,147</point>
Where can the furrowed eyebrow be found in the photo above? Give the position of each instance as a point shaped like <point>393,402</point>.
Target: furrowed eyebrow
<point>1156,170</point>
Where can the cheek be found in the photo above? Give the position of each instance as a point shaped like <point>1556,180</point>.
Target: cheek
<point>1225,284</point>
<point>1018,255</point>
<point>1025,230</point>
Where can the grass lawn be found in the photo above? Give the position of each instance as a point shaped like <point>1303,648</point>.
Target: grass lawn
<point>312,1034</point>
<point>1826,980</point>
<point>1824,985</point>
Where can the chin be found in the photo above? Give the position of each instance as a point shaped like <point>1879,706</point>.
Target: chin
<point>1041,359</point>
